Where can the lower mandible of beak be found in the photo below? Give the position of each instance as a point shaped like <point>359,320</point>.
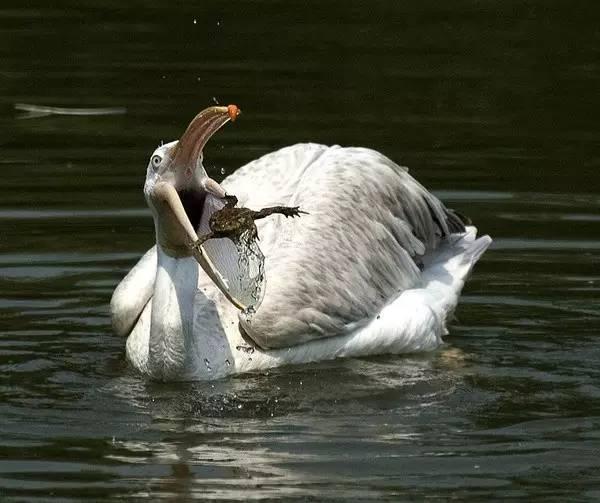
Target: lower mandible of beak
<point>213,187</point>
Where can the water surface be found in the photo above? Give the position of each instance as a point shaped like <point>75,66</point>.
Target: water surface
<point>491,104</point>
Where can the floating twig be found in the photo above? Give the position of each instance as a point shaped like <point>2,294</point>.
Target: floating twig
<point>35,111</point>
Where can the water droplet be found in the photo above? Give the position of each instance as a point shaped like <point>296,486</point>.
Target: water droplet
<point>222,171</point>
<point>239,406</point>
<point>207,363</point>
<point>249,310</point>
<point>215,100</point>
<point>195,21</point>
<point>245,349</point>
<point>227,362</point>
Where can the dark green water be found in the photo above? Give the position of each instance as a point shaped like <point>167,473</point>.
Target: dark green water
<point>493,105</point>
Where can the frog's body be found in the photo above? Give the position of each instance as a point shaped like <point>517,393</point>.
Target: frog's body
<point>231,222</point>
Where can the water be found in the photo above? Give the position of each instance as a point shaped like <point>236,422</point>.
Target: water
<point>492,105</point>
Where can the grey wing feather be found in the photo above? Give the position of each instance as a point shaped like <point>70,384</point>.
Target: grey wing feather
<point>327,272</point>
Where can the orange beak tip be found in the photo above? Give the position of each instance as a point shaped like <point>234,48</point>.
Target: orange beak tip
<point>233,111</point>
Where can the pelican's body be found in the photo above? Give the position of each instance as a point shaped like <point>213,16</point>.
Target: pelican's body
<point>375,267</point>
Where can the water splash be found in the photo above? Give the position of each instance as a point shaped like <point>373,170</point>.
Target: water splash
<point>251,267</point>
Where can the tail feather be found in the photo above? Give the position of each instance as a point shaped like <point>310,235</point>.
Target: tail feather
<point>457,221</point>
<point>447,268</point>
<point>474,252</point>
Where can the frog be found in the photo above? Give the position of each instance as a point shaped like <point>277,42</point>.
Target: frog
<point>232,221</point>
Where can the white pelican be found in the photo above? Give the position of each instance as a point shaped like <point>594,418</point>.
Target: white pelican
<point>376,266</point>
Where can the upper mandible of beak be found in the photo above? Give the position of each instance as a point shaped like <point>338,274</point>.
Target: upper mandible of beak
<point>197,134</point>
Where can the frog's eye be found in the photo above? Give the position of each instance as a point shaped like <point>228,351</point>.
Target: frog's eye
<point>156,160</point>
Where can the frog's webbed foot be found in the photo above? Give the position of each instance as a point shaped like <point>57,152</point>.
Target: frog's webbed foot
<point>291,211</point>
<point>201,240</point>
<point>230,200</point>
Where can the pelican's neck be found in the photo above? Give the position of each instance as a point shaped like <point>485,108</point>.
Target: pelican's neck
<point>171,329</point>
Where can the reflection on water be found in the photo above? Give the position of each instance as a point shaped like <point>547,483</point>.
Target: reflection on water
<point>490,106</point>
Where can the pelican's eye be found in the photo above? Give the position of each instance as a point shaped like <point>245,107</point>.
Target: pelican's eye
<point>156,160</point>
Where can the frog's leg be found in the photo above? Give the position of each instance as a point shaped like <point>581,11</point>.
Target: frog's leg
<point>286,211</point>
<point>253,232</point>
<point>214,188</point>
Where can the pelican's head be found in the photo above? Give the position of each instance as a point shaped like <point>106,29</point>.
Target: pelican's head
<point>177,183</point>
<point>177,186</point>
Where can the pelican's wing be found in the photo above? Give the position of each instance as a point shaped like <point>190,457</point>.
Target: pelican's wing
<point>332,270</point>
<point>132,293</point>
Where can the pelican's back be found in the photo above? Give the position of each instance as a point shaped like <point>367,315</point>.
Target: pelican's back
<point>330,272</point>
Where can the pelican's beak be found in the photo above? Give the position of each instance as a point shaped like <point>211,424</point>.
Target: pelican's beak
<point>203,126</point>
<point>187,204</point>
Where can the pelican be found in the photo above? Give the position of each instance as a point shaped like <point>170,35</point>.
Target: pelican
<point>374,266</point>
